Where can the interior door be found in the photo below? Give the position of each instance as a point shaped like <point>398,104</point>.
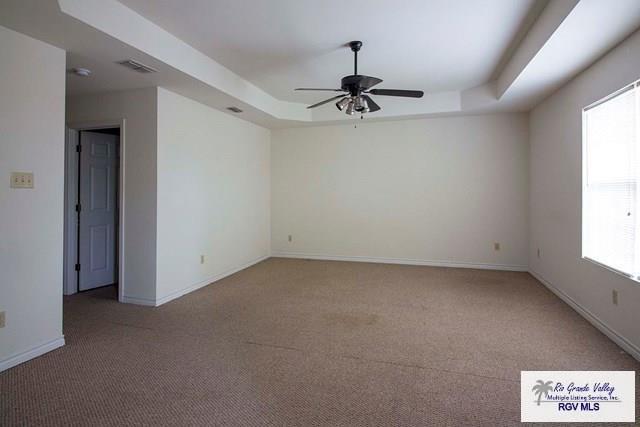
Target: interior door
<point>98,214</point>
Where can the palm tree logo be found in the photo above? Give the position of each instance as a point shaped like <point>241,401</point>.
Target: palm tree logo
<point>542,388</point>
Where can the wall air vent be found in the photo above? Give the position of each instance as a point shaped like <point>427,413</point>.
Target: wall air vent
<point>234,109</point>
<point>136,66</point>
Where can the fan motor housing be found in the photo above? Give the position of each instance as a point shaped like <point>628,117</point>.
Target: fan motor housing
<point>356,84</point>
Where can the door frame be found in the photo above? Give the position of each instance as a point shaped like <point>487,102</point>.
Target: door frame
<point>71,163</point>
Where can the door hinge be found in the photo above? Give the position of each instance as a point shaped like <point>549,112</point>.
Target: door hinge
<point>77,267</point>
<point>78,148</point>
<point>78,207</point>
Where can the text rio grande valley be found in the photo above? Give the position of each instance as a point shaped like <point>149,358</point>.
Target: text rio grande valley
<point>574,397</point>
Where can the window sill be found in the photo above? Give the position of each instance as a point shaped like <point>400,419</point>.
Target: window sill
<point>613,270</point>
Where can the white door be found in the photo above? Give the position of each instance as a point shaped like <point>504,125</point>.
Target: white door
<point>98,208</point>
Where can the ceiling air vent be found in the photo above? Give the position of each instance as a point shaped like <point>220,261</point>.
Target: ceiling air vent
<point>136,66</point>
<point>234,109</point>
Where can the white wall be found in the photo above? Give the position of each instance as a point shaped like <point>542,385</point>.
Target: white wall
<point>139,109</point>
<point>213,194</point>
<point>439,190</point>
<point>556,176</point>
<point>32,86</point>
<point>197,182</point>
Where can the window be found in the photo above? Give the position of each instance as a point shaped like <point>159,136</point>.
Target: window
<point>611,150</point>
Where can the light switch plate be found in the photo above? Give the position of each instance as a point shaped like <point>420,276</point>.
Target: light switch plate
<point>21,180</point>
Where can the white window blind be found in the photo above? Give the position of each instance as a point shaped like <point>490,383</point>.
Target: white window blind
<point>611,230</point>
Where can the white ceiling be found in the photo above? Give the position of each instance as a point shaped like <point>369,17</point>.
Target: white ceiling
<point>106,76</point>
<point>469,56</point>
<point>431,45</point>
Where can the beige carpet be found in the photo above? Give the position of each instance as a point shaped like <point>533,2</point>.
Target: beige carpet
<point>296,342</point>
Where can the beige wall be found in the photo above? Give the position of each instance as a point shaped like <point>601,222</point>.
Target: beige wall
<point>32,86</point>
<point>139,109</point>
<point>439,190</point>
<point>556,187</point>
<point>213,194</point>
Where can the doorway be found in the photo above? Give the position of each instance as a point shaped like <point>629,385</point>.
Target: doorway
<point>93,208</point>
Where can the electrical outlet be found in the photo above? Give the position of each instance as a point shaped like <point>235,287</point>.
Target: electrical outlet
<point>614,297</point>
<point>496,246</point>
<point>290,238</point>
<point>201,259</point>
<point>538,253</point>
<point>2,319</point>
<point>21,180</point>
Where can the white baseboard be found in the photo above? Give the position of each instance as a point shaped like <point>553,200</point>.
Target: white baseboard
<point>138,301</point>
<point>195,286</point>
<point>405,261</point>
<point>31,353</point>
<point>624,343</point>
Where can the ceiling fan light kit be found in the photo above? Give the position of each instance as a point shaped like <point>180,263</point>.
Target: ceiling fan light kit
<point>356,87</point>
<point>360,105</point>
<point>343,103</point>
<point>350,109</point>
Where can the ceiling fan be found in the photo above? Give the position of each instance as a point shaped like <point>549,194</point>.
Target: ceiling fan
<point>357,88</point>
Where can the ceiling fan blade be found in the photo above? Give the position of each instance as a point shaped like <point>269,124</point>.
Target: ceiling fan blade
<point>397,92</point>
<point>313,88</point>
<point>372,105</point>
<point>325,101</point>
<point>368,82</point>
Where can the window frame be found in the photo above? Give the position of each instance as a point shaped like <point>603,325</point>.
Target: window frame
<point>632,86</point>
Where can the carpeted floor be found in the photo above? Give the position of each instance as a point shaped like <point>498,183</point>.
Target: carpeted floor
<point>296,342</point>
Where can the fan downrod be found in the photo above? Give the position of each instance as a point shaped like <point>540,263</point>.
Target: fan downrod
<point>355,47</point>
